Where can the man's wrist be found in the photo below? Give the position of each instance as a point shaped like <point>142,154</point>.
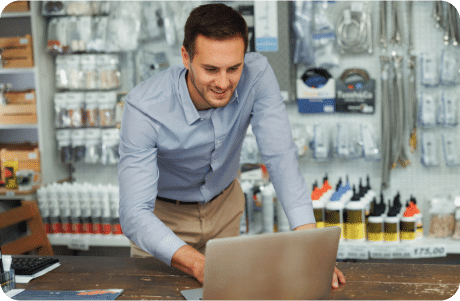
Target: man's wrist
<point>306,227</point>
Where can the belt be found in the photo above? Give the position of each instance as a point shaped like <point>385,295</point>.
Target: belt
<point>188,203</point>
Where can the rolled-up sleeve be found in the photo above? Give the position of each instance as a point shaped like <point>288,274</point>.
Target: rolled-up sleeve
<point>270,124</point>
<point>138,181</point>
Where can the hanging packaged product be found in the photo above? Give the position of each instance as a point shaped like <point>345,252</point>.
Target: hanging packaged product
<point>324,36</point>
<point>429,64</point>
<point>75,104</point>
<point>448,109</point>
<point>370,143</point>
<point>61,77</point>
<point>63,119</point>
<point>428,103</point>
<point>56,36</point>
<point>110,143</point>
<point>354,29</point>
<point>98,34</point>
<point>430,156</point>
<point>450,145</point>
<point>54,8</point>
<point>106,103</point>
<point>89,69</point>
<point>74,72</point>
<point>91,113</point>
<point>93,146</point>
<point>348,141</point>
<point>78,145</point>
<point>321,142</point>
<point>355,92</point>
<point>64,145</point>
<point>109,74</point>
<point>316,91</point>
<point>449,68</point>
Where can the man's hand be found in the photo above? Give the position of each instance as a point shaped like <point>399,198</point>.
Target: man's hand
<point>337,276</point>
<point>190,261</point>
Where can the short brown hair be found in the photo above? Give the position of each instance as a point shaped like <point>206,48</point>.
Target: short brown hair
<point>214,21</point>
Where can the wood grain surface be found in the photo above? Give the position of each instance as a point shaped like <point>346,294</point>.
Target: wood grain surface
<point>149,279</point>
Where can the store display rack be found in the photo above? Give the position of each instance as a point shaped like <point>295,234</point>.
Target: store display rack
<point>84,241</point>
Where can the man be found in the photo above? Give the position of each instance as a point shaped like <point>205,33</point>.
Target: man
<point>180,144</point>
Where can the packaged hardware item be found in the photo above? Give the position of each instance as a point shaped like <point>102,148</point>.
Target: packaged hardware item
<point>442,219</point>
<point>78,145</point>
<point>354,29</point>
<point>75,105</point>
<point>106,109</point>
<point>64,146</point>
<point>110,143</point>
<point>456,234</point>
<point>429,63</point>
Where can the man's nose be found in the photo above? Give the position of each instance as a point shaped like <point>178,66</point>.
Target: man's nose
<point>222,80</point>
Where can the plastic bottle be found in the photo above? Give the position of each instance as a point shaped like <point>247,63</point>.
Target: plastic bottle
<point>334,216</point>
<point>43,207</point>
<point>355,228</point>
<point>268,208</point>
<point>85,206</point>
<point>64,207</point>
<point>391,226</point>
<point>55,211</point>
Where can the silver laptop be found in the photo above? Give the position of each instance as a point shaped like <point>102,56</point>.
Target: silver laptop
<point>288,265</point>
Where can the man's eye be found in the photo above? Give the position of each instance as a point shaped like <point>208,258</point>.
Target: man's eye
<point>210,69</point>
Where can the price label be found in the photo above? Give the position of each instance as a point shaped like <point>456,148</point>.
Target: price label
<point>358,252</point>
<point>10,193</point>
<point>78,243</point>
<point>402,252</point>
<point>342,252</point>
<point>380,252</point>
<point>429,251</point>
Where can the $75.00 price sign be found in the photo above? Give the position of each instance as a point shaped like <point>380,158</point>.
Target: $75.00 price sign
<point>429,251</point>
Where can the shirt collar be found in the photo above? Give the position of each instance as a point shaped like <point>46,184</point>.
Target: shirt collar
<point>191,113</point>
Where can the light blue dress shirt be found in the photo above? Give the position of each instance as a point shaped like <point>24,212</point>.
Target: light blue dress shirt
<point>170,149</point>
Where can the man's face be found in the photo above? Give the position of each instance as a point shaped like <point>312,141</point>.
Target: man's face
<point>215,70</point>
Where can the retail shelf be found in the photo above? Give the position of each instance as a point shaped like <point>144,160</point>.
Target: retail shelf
<point>18,126</point>
<point>16,194</point>
<point>84,241</point>
<point>16,70</point>
<point>422,248</point>
<point>16,15</point>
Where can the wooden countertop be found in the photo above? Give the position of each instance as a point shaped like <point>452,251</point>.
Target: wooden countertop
<point>150,279</point>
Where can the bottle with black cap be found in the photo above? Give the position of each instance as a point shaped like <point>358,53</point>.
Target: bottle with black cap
<point>375,222</point>
<point>355,228</point>
<point>391,224</point>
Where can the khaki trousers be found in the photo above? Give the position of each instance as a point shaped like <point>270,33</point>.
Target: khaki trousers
<point>196,224</point>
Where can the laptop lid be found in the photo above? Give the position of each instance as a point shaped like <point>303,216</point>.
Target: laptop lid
<point>287,265</point>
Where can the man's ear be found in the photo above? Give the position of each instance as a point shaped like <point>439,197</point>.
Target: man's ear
<point>185,57</point>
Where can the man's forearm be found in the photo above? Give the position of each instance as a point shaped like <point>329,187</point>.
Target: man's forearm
<point>305,227</point>
<point>190,261</point>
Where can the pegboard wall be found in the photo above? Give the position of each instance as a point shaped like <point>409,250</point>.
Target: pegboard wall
<point>415,179</point>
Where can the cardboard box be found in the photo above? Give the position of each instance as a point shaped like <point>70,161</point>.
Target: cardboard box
<point>18,119</point>
<point>27,156</point>
<point>16,7</point>
<point>17,52</point>
<point>20,113</point>
<point>18,97</point>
